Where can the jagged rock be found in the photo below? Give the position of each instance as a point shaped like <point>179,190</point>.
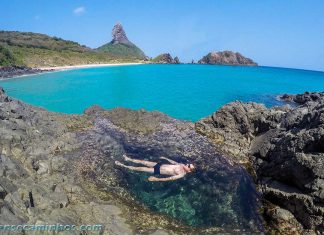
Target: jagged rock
<point>302,98</point>
<point>166,58</point>
<point>3,192</point>
<point>12,71</point>
<point>119,35</point>
<point>284,146</point>
<point>226,58</point>
<point>282,221</point>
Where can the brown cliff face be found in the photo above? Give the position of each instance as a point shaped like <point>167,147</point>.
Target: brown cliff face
<point>226,58</point>
<point>119,35</point>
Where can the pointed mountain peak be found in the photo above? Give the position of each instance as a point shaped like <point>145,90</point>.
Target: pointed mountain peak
<point>119,35</point>
<point>120,46</point>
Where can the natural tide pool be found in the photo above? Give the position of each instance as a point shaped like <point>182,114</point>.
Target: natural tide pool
<point>187,92</point>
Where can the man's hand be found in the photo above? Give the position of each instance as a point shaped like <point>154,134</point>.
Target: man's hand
<point>152,178</point>
<point>171,178</point>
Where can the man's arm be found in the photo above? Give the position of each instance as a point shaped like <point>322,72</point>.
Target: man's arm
<point>169,160</point>
<point>171,178</point>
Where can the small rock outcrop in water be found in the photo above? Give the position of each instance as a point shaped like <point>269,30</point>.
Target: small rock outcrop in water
<point>302,98</point>
<point>226,58</point>
<point>166,58</point>
<point>284,148</point>
<point>121,46</point>
<point>65,163</point>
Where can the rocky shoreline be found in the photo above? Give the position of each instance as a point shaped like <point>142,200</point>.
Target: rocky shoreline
<point>14,71</point>
<point>283,148</point>
<point>67,163</point>
<point>302,98</point>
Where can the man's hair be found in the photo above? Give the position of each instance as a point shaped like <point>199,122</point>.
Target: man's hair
<point>191,166</point>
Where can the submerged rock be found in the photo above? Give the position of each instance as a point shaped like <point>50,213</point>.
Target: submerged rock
<point>285,149</point>
<point>67,163</point>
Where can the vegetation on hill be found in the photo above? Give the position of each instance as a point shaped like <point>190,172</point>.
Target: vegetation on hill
<point>165,58</point>
<point>37,40</point>
<point>40,50</point>
<point>6,57</point>
<point>123,50</point>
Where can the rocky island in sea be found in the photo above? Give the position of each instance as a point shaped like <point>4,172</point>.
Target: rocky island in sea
<point>270,159</point>
<point>165,58</point>
<point>226,58</point>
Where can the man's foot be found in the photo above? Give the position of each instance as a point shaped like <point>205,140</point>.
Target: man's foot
<point>118,163</point>
<point>126,158</point>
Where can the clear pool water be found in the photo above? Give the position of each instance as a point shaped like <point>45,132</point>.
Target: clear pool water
<point>187,92</point>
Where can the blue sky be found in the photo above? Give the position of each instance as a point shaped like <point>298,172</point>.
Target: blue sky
<point>280,33</point>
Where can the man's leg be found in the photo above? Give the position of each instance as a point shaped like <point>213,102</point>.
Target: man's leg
<point>143,162</point>
<point>136,168</point>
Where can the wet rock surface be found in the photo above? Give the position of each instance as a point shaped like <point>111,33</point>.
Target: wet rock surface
<point>12,71</point>
<point>67,163</point>
<point>283,148</point>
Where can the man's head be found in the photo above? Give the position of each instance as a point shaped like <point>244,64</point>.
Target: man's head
<point>190,167</point>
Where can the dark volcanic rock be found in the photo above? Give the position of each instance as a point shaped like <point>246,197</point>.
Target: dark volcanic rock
<point>226,58</point>
<point>67,163</point>
<point>12,71</point>
<point>285,148</point>
<point>119,35</point>
<point>302,98</point>
<point>166,58</point>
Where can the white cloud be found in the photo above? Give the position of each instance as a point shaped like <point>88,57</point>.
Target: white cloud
<point>79,10</point>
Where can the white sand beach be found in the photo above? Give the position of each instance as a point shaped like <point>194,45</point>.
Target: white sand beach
<point>85,66</point>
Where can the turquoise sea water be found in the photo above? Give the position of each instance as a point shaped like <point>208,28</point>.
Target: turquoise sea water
<point>187,92</point>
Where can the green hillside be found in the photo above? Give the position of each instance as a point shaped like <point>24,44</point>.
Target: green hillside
<point>40,50</point>
<point>123,50</point>
<point>7,58</point>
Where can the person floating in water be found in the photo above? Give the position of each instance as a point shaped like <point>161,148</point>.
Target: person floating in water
<point>175,170</point>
